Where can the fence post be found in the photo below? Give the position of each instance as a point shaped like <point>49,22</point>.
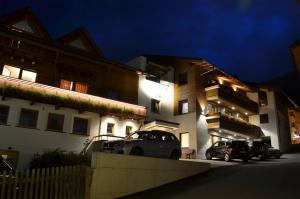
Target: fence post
<point>3,185</point>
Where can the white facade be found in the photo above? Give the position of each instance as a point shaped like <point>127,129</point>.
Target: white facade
<point>271,128</point>
<point>30,141</point>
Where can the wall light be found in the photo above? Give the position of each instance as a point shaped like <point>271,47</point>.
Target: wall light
<point>233,108</point>
<point>246,113</point>
<point>219,102</point>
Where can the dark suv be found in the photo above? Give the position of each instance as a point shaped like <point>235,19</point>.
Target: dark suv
<point>263,151</point>
<point>228,150</point>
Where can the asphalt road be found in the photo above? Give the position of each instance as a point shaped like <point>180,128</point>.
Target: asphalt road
<point>274,179</point>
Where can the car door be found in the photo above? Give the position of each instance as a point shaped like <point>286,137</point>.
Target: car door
<point>152,145</point>
<point>219,149</point>
<point>167,145</point>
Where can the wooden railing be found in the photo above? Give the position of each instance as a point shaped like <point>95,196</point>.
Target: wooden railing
<point>46,183</point>
<point>221,121</point>
<point>235,98</point>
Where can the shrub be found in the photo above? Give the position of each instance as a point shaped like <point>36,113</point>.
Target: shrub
<point>58,158</point>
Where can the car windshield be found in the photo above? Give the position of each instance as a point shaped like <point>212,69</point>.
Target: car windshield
<point>239,144</point>
<point>137,135</point>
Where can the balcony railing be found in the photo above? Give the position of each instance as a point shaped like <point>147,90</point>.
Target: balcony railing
<point>220,121</point>
<point>218,92</point>
<point>34,92</point>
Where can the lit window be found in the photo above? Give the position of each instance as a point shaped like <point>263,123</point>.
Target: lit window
<point>11,71</point>
<point>65,84</point>
<point>110,128</point>
<point>183,107</point>
<point>28,75</point>
<point>80,87</point>
<point>55,122</point>
<point>3,114</point>
<point>155,106</point>
<point>185,140</point>
<point>80,126</point>
<point>76,86</point>
<point>28,118</point>
<point>128,130</point>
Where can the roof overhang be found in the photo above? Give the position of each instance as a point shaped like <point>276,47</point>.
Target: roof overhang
<point>161,125</point>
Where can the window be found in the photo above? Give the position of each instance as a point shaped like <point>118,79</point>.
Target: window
<point>81,88</point>
<point>65,84</point>
<point>11,71</point>
<point>28,76</point>
<point>28,118</point>
<point>80,126</point>
<point>55,122</point>
<point>114,95</point>
<point>4,110</point>
<point>128,130</point>
<point>153,78</point>
<point>110,128</point>
<point>73,86</point>
<point>155,106</point>
<point>263,99</point>
<point>264,118</point>
<point>183,107</point>
<point>185,140</point>
<point>15,72</point>
<point>182,79</point>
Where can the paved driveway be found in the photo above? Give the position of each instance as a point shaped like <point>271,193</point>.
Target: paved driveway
<point>270,179</point>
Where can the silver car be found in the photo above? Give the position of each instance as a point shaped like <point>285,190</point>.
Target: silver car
<point>153,143</point>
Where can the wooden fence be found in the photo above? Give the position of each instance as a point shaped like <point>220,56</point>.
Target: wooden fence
<point>47,183</point>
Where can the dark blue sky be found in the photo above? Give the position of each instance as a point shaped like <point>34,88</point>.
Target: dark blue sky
<point>249,38</point>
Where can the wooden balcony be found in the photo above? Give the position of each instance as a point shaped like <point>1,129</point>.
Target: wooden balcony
<point>233,126</point>
<point>230,98</point>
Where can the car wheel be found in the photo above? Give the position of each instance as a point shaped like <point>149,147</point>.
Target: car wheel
<point>208,156</point>
<point>136,151</point>
<point>227,157</point>
<point>174,155</point>
<point>277,156</point>
<point>245,160</point>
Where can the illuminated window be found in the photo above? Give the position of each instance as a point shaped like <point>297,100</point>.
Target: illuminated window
<point>28,75</point>
<point>11,71</point>
<point>128,130</point>
<point>264,118</point>
<point>80,126</point>
<point>55,122</point>
<point>185,140</point>
<point>182,79</point>
<point>76,86</point>
<point>80,87</point>
<point>28,118</point>
<point>14,72</point>
<point>3,114</point>
<point>155,106</point>
<point>65,84</point>
<point>183,107</point>
<point>110,128</point>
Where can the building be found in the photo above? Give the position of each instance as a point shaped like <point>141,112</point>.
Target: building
<point>295,52</point>
<point>59,93</point>
<point>205,104</point>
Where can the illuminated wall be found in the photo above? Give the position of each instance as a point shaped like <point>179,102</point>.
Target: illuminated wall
<point>294,120</point>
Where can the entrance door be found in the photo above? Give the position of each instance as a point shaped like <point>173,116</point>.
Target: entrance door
<point>185,140</point>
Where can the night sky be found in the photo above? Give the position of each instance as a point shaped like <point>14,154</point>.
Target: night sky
<point>248,38</point>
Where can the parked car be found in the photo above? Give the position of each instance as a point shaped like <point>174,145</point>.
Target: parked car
<point>263,151</point>
<point>228,150</point>
<point>146,143</point>
<point>259,149</point>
